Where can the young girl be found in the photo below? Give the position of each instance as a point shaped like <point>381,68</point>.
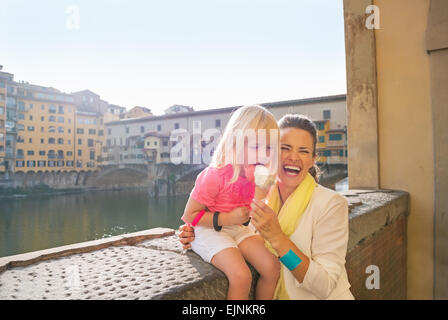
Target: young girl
<point>219,205</point>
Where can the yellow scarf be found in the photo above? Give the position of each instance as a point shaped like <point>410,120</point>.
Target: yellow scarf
<point>289,216</point>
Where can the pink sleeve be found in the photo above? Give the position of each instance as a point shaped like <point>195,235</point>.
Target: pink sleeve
<point>206,187</point>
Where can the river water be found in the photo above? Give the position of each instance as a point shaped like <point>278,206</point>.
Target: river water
<point>41,222</point>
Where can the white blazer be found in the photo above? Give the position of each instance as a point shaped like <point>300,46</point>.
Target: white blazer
<point>322,235</point>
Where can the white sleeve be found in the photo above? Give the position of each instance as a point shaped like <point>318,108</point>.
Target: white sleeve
<point>328,249</point>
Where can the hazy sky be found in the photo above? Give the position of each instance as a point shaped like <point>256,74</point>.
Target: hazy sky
<point>200,53</point>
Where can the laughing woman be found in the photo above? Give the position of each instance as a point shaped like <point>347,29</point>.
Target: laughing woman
<point>303,223</point>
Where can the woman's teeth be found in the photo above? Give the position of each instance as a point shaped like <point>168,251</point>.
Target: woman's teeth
<point>291,170</point>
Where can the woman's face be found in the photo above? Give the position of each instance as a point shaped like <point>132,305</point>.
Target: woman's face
<point>296,156</point>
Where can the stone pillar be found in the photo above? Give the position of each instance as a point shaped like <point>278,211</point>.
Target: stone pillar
<point>362,109</point>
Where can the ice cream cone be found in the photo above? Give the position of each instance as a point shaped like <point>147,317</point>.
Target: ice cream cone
<point>260,193</point>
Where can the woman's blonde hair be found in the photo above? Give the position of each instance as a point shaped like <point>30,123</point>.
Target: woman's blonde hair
<point>253,117</point>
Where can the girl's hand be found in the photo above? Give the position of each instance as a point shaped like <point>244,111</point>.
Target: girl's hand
<point>186,235</point>
<point>238,215</point>
<point>265,221</point>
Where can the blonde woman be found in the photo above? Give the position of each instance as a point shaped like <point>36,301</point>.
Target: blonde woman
<point>219,204</point>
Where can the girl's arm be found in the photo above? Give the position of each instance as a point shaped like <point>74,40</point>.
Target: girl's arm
<point>236,216</point>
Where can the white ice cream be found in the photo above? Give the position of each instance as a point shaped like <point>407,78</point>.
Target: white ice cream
<point>261,175</point>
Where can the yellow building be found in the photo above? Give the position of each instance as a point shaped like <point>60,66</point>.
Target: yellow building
<point>3,80</point>
<point>331,144</point>
<point>89,140</point>
<point>136,112</point>
<point>42,122</point>
<point>156,147</point>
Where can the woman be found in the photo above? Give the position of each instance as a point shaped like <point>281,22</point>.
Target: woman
<point>303,223</point>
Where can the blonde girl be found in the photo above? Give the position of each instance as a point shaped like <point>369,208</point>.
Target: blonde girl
<point>219,204</point>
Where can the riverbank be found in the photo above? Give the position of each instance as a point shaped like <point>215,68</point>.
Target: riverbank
<point>45,190</point>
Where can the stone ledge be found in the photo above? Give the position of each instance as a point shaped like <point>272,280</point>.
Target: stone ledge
<point>152,265</point>
<point>28,258</point>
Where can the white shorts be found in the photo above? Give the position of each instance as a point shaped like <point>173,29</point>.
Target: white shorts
<point>208,242</point>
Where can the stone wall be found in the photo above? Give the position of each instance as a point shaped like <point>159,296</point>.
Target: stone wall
<point>152,265</point>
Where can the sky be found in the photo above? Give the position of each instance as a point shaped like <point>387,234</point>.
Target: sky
<point>200,53</point>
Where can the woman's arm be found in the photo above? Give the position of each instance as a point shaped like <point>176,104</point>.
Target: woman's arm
<point>320,272</point>
<point>266,222</point>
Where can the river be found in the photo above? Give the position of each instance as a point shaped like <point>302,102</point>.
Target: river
<point>41,222</point>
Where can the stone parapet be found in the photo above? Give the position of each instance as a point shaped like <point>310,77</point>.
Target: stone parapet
<point>152,265</point>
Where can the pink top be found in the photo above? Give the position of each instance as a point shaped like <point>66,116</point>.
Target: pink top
<point>213,190</point>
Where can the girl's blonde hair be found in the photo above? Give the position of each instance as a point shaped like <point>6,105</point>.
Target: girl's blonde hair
<point>253,117</point>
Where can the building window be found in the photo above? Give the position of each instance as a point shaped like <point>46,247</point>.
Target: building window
<point>31,163</point>
<point>92,155</point>
<point>42,118</point>
<point>155,143</point>
<point>176,125</point>
<point>92,131</point>
<point>79,152</point>
<point>142,129</point>
<point>217,123</point>
<point>69,153</point>
<point>78,164</point>
<point>90,142</point>
<point>61,119</point>
<point>51,129</point>
<point>21,116</point>
<point>20,154</point>
<point>321,139</point>
<point>31,117</point>
<point>30,153</point>
<point>127,130</point>
<point>19,164</point>
<point>42,140</point>
<point>20,127</point>
<point>42,152</point>
<point>41,164</point>
<point>61,109</point>
<point>79,141</point>
<point>52,119</point>
<point>100,133</point>
<point>60,129</point>
<point>80,131</point>
<point>51,140</point>
<point>69,163</point>
<point>51,163</point>
<point>159,127</point>
<point>335,136</point>
<point>60,163</point>
<point>60,141</point>
<point>52,108</point>
<point>30,128</point>
<point>109,131</point>
<point>327,114</point>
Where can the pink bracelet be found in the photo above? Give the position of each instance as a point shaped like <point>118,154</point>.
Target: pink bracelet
<point>197,218</point>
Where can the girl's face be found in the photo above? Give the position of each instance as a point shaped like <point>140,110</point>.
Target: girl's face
<point>296,156</point>
<point>260,150</point>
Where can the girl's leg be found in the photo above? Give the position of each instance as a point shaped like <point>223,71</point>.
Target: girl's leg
<point>267,265</point>
<point>231,262</point>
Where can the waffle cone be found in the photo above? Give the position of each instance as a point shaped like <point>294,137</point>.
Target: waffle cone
<point>260,193</point>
